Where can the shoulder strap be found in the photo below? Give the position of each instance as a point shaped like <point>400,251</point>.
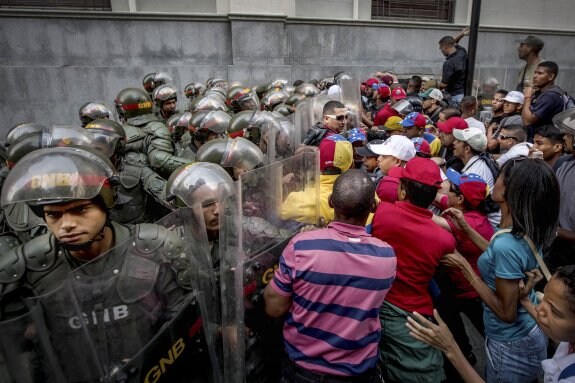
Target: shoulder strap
<point>567,372</point>
<point>534,250</point>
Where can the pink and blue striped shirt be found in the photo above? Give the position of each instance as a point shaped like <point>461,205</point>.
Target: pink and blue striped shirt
<point>337,278</point>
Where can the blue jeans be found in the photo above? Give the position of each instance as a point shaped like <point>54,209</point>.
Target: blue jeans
<point>518,361</point>
<point>457,98</point>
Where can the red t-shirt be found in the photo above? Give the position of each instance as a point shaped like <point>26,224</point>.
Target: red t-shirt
<point>419,244</point>
<point>383,114</point>
<point>479,222</point>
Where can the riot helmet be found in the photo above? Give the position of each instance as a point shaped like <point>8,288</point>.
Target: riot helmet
<point>55,136</point>
<point>307,90</point>
<point>153,80</point>
<point>132,102</point>
<point>294,98</point>
<point>238,153</point>
<point>20,130</point>
<point>178,124</point>
<point>208,103</point>
<point>277,84</point>
<point>565,121</point>
<point>240,122</point>
<point>403,107</point>
<point>109,137</point>
<point>61,174</point>
<point>283,109</point>
<point>164,93</point>
<point>416,103</point>
<point>216,82</point>
<point>91,111</point>
<point>200,183</point>
<point>208,124</point>
<point>273,98</point>
<point>193,90</point>
<point>217,92</point>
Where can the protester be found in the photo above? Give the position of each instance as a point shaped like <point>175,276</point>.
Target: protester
<point>549,141</point>
<point>331,284</point>
<point>454,72</point>
<point>419,245</point>
<point>512,140</point>
<point>528,51</point>
<point>555,315</point>
<point>469,108</point>
<point>514,343</point>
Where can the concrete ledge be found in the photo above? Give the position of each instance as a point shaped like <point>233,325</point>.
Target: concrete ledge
<point>105,15</point>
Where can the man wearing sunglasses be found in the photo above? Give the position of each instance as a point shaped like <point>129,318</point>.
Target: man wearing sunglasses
<point>334,120</point>
<point>512,139</point>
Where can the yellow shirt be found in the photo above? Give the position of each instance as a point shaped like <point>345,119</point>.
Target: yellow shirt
<point>302,206</point>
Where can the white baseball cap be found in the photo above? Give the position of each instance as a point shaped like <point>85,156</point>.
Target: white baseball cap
<point>515,97</point>
<point>397,146</point>
<point>473,137</point>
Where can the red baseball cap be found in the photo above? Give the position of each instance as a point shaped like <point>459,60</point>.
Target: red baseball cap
<point>451,124</point>
<point>387,80</point>
<point>383,91</point>
<point>472,186</point>
<point>421,146</point>
<point>398,93</point>
<point>370,81</point>
<point>422,170</point>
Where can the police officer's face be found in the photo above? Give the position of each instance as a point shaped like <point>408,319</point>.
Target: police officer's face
<point>208,198</point>
<point>75,222</point>
<point>169,107</point>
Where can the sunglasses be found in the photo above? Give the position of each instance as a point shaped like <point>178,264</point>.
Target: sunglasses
<point>341,117</point>
<point>503,137</point>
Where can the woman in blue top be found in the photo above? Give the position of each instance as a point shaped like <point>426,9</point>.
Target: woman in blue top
<point>528,193</point>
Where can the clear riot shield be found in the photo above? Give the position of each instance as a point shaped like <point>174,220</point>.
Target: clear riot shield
<point>351,98</point>
<point>29,351</point>
<point>486,81</point>
<point>252,238</point>
<point>303,119</point>
<point>146,304</point>
<point>278,140</point>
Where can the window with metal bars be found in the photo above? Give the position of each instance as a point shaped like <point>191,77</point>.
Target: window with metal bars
<point>416,10</point>
<point>97,5</point>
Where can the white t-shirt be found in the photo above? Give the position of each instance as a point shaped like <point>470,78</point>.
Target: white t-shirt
<point>521,149</point>
<point>475,123</point>
<point>554,366</point>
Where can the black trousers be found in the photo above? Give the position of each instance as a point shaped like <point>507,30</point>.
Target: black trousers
<point>450,308</point>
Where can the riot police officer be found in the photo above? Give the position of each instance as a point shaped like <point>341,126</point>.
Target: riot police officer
<point>165,98</point>
<point>91,111</point>
<point>124,279</point>
<point>144,133</point>
<point>153,80</point>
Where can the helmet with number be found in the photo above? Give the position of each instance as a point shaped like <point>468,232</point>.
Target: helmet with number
<point>193,89</point>
<point>91,111</point>
<point>307,90</point>
<point>164,93</point>
<point>178,124</point>
<point>206,123</point>
<point>20,130</point>
<point>208,103</point>
<point>197,183</point>
<point>273,98</point>
<point>56,136</point>
<point>153,80</point>
<point>284,109</point>
<point>62,174</point>
<point>237,153</point>
<point>132,102</point>
<point>109,136</point>
<point>294,98</point>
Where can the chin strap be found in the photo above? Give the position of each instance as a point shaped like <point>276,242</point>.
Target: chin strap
<point>86,245</point>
